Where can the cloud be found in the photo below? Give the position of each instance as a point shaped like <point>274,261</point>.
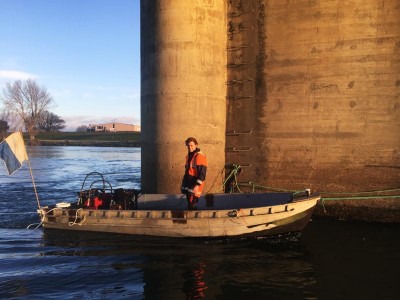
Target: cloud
<point>15,75</point>
<point>73,122</point>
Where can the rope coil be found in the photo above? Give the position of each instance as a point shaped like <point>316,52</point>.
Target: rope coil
<point>76,218</point>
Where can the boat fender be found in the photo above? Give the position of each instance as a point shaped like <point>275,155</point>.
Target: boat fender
<point>63,205</point>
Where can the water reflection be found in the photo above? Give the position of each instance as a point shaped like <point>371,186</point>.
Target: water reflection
<point>192,269</point>
<point>194,285</point>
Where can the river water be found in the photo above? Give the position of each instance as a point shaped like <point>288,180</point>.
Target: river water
<point>328,260</point>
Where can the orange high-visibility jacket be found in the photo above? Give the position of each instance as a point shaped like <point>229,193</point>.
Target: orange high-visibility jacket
<point>195,173</point>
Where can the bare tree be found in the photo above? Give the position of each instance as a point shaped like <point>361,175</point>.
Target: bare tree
<point>82,128</point>
<point>28,100</point>
<point>13,120</point>
<point>50,122</point>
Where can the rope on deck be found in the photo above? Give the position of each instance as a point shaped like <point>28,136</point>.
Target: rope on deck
<point>255,186</point>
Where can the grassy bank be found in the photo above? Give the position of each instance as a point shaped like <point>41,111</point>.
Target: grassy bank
<point>101,139</point>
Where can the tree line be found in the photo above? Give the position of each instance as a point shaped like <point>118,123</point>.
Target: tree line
<point>27,106</point>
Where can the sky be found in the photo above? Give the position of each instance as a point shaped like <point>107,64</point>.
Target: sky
<point>86,53</point>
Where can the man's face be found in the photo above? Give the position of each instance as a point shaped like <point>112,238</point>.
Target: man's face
<point>191,146</point>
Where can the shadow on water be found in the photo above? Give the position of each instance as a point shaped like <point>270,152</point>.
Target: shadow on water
<point>329,260</point>
<point>154,268</point>
<point>354,260</point>
<point>54,264</point>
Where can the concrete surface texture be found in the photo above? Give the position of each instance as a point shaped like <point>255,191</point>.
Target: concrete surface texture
<point>311,90</point>
<point>183,59</point>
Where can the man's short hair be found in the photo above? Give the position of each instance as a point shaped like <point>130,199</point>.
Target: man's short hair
<point>191,139</point>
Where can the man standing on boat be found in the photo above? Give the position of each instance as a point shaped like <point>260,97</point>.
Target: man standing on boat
<point>195,173</point>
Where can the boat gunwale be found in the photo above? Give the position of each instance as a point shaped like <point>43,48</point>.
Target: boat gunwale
<point>186,214</point>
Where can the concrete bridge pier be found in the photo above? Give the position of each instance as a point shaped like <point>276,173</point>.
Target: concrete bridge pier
<point>183,89</point>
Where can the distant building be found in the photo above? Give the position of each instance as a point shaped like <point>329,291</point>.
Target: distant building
<point>114,127</point>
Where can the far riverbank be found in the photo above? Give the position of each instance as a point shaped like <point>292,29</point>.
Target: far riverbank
<point>97,139</point>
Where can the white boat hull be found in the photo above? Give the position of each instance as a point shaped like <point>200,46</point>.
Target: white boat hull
<point>204,223</point>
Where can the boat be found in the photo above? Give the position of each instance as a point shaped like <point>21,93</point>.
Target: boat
<point>128,211</point>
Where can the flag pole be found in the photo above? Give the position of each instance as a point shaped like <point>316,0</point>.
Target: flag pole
<point>30,171</point>
<point>33,182</point>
